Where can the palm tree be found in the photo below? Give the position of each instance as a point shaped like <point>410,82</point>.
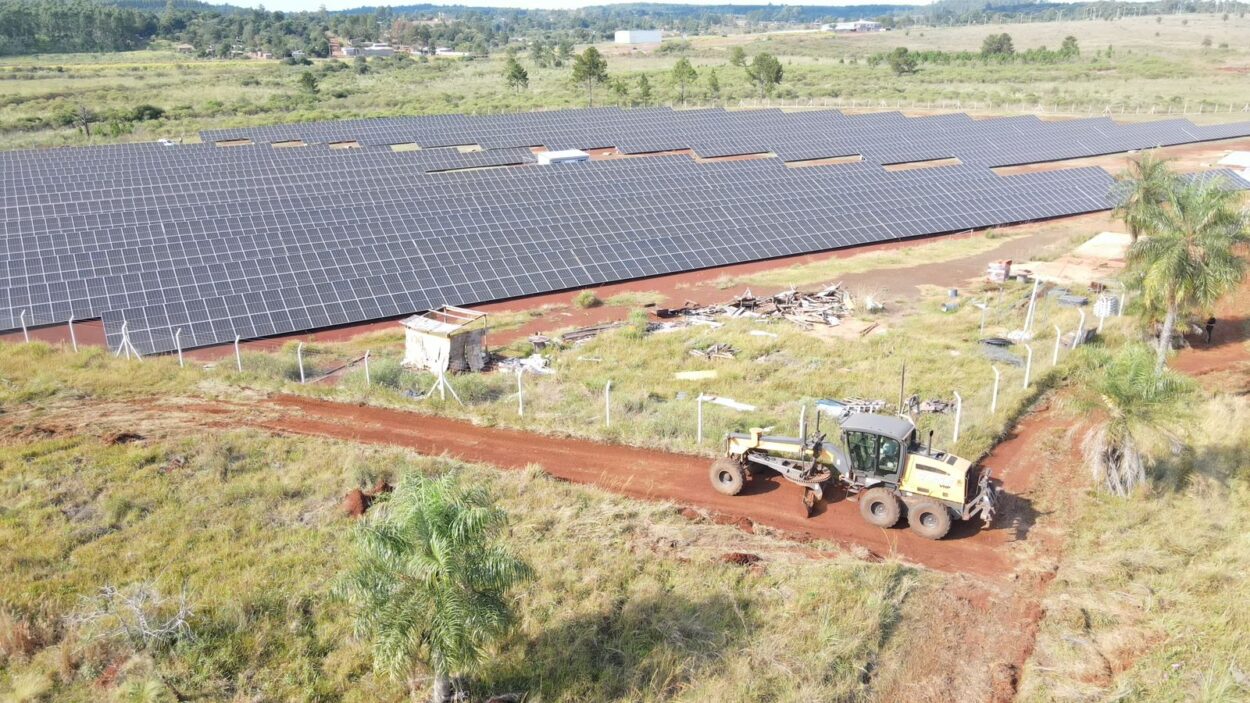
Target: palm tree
<point>1134,403</point>
<point>1189,257</point>
<point>1144,185</point>
<point>430,581</point>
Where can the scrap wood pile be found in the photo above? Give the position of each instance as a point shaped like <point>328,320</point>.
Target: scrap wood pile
<point>914,406</point>
<point>807,310</point>
<point>715,351</point>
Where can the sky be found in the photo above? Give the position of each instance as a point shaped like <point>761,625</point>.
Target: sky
<point>312,5</point>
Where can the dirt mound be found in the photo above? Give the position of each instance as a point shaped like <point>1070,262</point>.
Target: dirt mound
<point>740,558</point>
<point>1003,682</point>
<point>356,501</point>
<point>690,514</point>
<point>742,523</point>
<point>122,437</point>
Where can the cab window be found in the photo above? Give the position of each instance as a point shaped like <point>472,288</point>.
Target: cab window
<point>874,454</point>
<point>888,456</point>
<point>863,449</point>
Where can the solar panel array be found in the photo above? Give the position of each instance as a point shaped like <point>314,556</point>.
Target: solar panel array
<point>880,138</point>
<point>253,241</point>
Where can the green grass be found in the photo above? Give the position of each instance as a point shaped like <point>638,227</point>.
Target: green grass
<point>1168,70</point>
<point>832,268</point>
<point>1149,602</point>
<point>250,526</point>
<point>651,408</point>
<point>636,299</point>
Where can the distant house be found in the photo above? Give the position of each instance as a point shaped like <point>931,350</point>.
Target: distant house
<point>297,54</point>
<point>184,48</point>
<point>377,50</point>
<point>369,50</point>
<point>638,36</point>
<point>856,26</point>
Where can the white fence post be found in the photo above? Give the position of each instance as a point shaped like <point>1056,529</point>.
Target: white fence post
<point>25,335</point>
<point>959,412</point>
<point>1054,361</point>
<point>238,356</point>
<point>1028,365</point>
<point>299,357</point>
<point>607,405</point>
<point>699,420</point>
<point>73,338</point>
<point>998,375</point>
<point>178,344</point>
<point>368,381</point>
<point>121,346</point>
<point>1080,331</point>
<point>1028,318</point>
<point>520,393</point>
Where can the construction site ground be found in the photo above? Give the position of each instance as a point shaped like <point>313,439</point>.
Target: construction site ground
<point>992,603</point>
<point>996,574</point>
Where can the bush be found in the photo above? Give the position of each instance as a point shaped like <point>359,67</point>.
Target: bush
<point>387,373</point>
<point>587,299</point>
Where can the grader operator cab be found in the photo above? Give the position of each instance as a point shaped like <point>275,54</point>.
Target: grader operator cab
<point>877,458</point>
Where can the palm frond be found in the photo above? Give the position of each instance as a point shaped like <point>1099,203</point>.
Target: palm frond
<point>430,579</point>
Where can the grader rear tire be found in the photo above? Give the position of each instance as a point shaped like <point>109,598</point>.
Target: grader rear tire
<point>929,519</point>
<point>880,507</point>
<point>727,476</point>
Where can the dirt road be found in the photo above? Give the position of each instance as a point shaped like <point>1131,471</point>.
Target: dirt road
<point>653,475</point>
<point>1224,363</point>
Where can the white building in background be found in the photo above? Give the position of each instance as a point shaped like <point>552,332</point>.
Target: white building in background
<point>638,36</point>
<point>856,26</point>
<point>369,50</point>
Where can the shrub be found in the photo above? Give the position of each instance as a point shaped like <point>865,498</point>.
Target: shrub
<point>387,373</point>
<point>586,299</point>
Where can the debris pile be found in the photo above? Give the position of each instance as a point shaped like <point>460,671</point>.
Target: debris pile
<point>805,309</point>
<point>995,348</point>
<point>583,334</point>
<point>715,351</point>
<point>914,406</point>
<point>844,408</point>
<point>534,363</point>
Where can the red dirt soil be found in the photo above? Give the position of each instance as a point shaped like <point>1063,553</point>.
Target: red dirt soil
<point>1228,354</point>
<point>654,475</point>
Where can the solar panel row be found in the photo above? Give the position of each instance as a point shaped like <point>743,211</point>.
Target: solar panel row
<point>255,241</point>
<point>882,138</point>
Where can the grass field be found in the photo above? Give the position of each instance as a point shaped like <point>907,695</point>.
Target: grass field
<point>632,601</point>
<point>249,526</point>
<point>1149,604</point>
<point>1171,70</point>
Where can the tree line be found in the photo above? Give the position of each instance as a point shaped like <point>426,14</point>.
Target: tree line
<point>996,47</point>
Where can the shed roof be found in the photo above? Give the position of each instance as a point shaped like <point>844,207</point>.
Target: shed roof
<point>445,321</point>
<point>888,425</point>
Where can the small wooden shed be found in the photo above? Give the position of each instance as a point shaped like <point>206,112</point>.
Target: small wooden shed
<point>447,339</point>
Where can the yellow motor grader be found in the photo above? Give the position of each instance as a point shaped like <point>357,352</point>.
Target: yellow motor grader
<point>877,458</point>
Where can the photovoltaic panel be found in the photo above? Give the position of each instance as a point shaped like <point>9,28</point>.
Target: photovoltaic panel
<point>259,240</point>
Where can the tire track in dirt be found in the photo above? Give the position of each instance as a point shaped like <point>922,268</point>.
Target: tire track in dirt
<point>648,475</point>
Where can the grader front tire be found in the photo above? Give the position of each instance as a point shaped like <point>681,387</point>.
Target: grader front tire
<point>728,476</point>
